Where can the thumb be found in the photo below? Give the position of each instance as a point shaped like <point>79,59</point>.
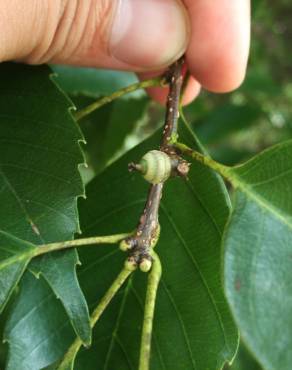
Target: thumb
<point>120,34</point>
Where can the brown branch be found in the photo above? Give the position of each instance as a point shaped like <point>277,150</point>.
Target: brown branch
<point>175,78</point>
<point>141,243</point>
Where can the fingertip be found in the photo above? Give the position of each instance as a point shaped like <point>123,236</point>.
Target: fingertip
<point>221,76</point>
<point>218,52</point>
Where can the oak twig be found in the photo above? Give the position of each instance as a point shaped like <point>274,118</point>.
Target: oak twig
<point>175,79</point>
<point>140,244</point>
<point>143,241</point>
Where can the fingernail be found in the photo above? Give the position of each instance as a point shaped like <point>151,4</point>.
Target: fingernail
<point>149,34</point>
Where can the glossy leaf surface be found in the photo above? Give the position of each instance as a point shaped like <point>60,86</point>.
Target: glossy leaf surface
<point>39,177</point>
<point>15,254</point>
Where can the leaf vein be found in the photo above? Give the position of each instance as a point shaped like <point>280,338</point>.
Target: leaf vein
<point>210,295</point>
<point>180,319</point>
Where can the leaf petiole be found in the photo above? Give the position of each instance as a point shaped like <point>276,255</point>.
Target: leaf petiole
<point>110,239</point>
<point>35,251</point>
<point>158,81</point>
<point>205,160</point>
<point>152,287</point>
<point>69,358</point>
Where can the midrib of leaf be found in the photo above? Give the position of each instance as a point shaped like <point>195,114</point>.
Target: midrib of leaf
<point>265,153</point>
<point>18,258</point>
<point>247,189</point>
<point>238,183</point>
<point>184,244</point>
<point>182,325</point>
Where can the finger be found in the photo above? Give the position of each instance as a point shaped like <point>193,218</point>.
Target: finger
<point>218,50</point>
<point>122,34</point>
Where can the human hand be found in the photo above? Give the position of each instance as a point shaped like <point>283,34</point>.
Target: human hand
<point>138,35</point>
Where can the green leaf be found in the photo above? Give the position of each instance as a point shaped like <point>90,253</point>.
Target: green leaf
<point>124,118</point>
<point>42,344</point>
<point>107,129</point>
<point>193,328</point>
<point>93,82</point>
<point>258,255</point>
<point>15,254</point>
<point>59,270</point>
<point>39,177</point>
<point>243,361</point>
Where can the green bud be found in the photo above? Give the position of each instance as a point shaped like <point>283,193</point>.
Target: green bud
<point>130,264</point>
<point>125,245</point>
<point>145,265</point>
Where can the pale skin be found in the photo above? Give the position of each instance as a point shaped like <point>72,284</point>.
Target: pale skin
<point>143,36</point>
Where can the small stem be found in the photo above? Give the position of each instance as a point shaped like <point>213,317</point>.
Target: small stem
<point>152,287</point>
<point>69,357</point>
<point>172,107</point>
<point>141,243</point>
<point>119,281</point>
<point>35,251</point>
<point>205,160</point>
<point>149,220</point>
<point>159,81</point>
<point>110,239</point>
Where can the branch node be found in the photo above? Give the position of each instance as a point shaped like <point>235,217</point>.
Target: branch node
<point>156,167</point>
<point>183,168</point>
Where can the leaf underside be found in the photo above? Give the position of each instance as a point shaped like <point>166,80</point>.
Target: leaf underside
<point>258,255</point>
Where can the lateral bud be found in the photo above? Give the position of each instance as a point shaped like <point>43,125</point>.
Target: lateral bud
<point>130,264</point>
<point>125,245</point>
<point>145,265</point>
